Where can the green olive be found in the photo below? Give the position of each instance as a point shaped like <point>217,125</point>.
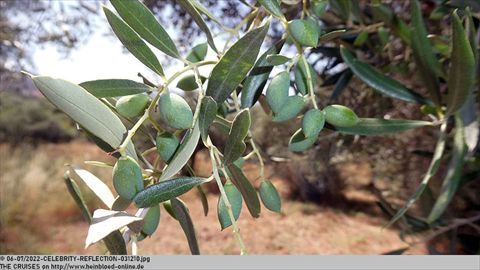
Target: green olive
<point>175,111</point>
<point>127,177</point>
<point>292,106</point>
<point>299,143</point>
<point>340,116</point>
<point>151,220</point>
<point>235,198</point>
<point>167,144</point>
<point>133,105</point>
<point>270,196</point>
<point>277,91</point>
<point>188,83</point>
<point>313,122</point>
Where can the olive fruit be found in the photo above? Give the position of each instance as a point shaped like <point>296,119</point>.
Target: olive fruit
<point>133,105</point>
<point>313,122</point>
<point>298,142</point>
<point>175,111</point>
<point>127,177</point>
<point>188,83</point>
<point>277,91</point>
<point>269,196</point>
<point>340,116</point>
<point>235,199</point>
<point>151,220</point>
<point>167,144</point>
<point>292,106</point>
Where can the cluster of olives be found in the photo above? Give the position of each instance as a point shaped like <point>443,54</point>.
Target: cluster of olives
<point>286,107</point>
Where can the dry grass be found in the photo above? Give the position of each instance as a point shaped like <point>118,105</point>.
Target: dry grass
<point>37,214</point>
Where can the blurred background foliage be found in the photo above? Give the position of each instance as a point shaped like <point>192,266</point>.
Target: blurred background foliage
<point>396,163</point>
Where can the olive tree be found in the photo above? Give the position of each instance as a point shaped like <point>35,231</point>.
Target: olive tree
<point>237,81</point>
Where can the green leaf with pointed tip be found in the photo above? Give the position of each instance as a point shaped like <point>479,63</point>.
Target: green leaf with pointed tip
<point>361,39</point>
<point>203,199</point>
<point>341,84</point>
<point>85,109</point>
<point>234,65</point>
<point>208,112</point>
<point>198,53</point>
<point>235,146</point>
<point>235,199</point>
<point>299,143</point>
<point>273,7</point>
<point>114,88</point>
<point>188,6</point>
<point>249,193</point>
<point>168,207</point>
<point>374,126</point>
<point>302,78</point>
<point>461,77</point>
<point>331,35</point>
<point>166,190</point>
<point>257,78</point>
<point>305,32</point>
<point>454,173</point>
<point>427,64</point>
<point>189,82</point>
<point>277,59</point>
<point>270,197</point>
<point>141,19</point>
<point>133,42</point>
<point>183,153</point>
<point>378,81</point>
<point>201,8</point>
<point>183,217</point>
<point>292,106</point>
<point>432,170</point>
<point>277,91</point>
<point>77,196</point>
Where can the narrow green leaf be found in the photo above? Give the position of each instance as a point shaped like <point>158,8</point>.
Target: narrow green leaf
<point>341,84</point>
<point>305,32</point>
<point>77,196</point>
<point>273,7</point>
<point>181,212</point>
<point>375,126</point>
<point>113,241</point>
<point>331,35</point>
<point>208,112</point>
<point>183,154</point>
<point>190,9</point>
<point>114,88</point>
<point>361,39</point>
<point>378,81</point>
<point>277,91</point>
<point>85,109</point>
<point>270,197</point>
<point>248,191</point>
<point>166,190</point>
<point>97,186</point>
<point>277,59</point>
<point>105,222</point>
<point>427,64</point>
<point>203,199</point>
<point>454,173</point>
<point>235,146</point>
<point>141,19</point>
<point>319,7</point>
<point>257,78</point>
<point>432,170</point>
<point>461,77</point>
<point>133,42</point>
<point>234,65</point>
<point>201,8</point>
<point>399,27</point>
<point>198,53</point>
<point>302,77</point>
<point>299,143</point>
<point>235,199</point>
